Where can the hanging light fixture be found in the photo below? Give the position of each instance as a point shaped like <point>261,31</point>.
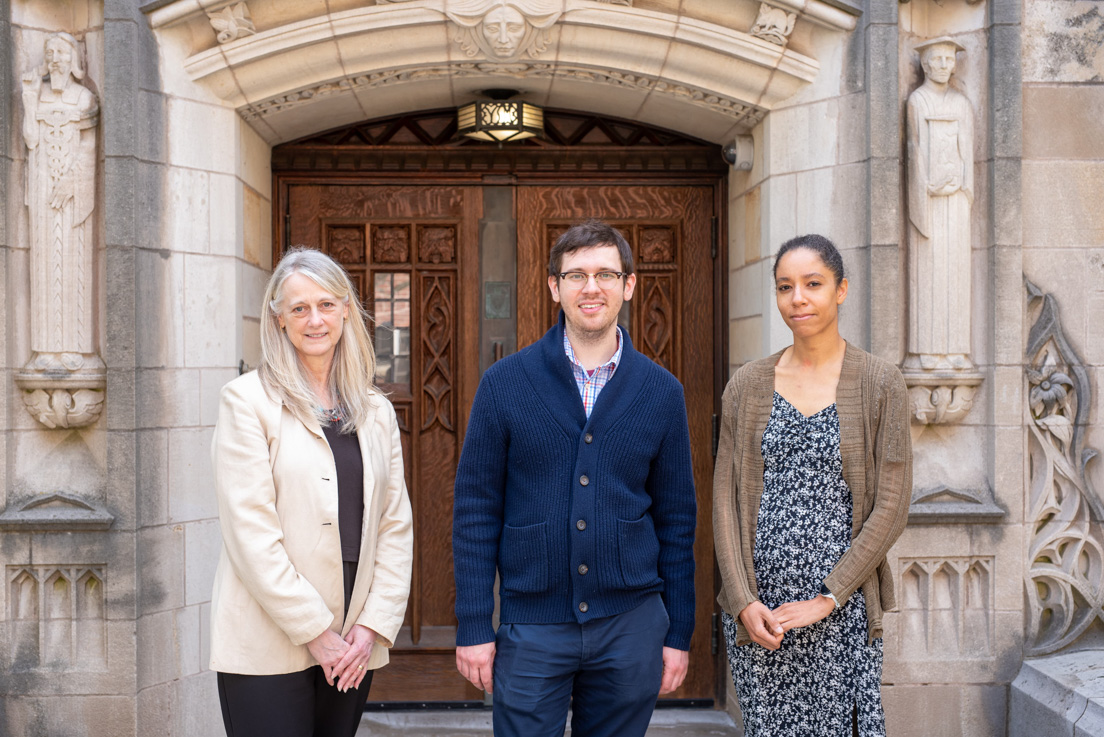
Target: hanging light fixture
<point>500,119</point>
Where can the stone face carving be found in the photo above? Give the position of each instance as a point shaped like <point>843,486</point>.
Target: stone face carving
<point>232,22</point>
<point>938,369</point>
<point>1065,565</point>
<point>773,24</point>
<point>64,380</point>
<point>502,30</point>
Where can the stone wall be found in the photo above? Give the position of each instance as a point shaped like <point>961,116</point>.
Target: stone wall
<point>199,282</point>
<point>103,631</point>
<point>809,174</point>
<point>1058,689</point>
<point>66,610</point>
<point>956,641</point>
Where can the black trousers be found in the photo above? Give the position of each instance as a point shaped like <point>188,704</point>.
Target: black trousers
<point>290,705</point>
<point>298,704</point>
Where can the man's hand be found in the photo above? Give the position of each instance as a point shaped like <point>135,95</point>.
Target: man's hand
<point>794,614</point>
<point>476,663</point>
<point>675,663</point>
<point>762,625</point>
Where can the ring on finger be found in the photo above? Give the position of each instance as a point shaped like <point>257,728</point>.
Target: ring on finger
<point>360,667</point>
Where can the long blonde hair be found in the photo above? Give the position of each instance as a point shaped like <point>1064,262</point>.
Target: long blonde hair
<point>353,370</point>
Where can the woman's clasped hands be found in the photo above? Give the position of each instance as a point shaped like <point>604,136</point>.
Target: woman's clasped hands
<point>344,661</point>
<point>766,627</point>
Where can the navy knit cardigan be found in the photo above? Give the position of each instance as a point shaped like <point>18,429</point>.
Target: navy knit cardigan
<point>582,518</point>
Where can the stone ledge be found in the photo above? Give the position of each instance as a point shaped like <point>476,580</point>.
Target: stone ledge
<point>944,505</point>
<point>57,512</point>
<point>1059,695</point>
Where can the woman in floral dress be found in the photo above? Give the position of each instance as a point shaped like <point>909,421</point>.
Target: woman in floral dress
<point>812,486</point>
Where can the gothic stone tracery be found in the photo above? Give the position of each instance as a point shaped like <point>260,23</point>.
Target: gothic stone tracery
<point>1065,576</point>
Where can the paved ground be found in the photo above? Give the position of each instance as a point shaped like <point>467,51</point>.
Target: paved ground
<point>466,723</point>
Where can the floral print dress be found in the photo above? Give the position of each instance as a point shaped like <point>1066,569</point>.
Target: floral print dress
<point>825,675</point>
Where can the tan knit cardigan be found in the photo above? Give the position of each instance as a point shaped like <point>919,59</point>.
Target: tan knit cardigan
<point>876,449</point>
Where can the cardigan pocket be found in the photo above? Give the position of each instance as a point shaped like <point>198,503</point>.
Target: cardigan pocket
<point>523,558</point>
<point>638,550</point>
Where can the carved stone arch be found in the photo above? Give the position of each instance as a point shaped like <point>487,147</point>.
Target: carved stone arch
<point>402,56</point>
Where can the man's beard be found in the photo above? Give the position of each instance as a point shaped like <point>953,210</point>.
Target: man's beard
<point>59,80</point>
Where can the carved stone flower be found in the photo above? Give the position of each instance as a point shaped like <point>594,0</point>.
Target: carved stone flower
<point>1047,390</point>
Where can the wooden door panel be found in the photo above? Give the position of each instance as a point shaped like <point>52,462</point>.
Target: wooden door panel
<point>408,250</point>
<point>670,320</point>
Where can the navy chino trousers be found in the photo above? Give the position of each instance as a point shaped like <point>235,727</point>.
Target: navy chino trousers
<point>607,671</point>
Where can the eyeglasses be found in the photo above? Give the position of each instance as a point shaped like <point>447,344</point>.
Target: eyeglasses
<point>602,278</point>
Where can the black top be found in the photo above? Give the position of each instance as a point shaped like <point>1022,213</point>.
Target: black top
<point>350,488</point>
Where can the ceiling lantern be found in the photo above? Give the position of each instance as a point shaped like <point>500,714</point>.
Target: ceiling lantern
<point>500,119</point>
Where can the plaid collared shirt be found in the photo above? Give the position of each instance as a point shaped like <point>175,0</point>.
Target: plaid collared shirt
<point>590,385</point>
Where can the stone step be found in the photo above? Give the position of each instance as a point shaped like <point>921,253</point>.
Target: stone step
<point>477,723</point>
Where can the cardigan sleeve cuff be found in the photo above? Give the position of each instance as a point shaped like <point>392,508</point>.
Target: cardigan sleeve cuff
<point>678,635</point>
<point>474,632</point>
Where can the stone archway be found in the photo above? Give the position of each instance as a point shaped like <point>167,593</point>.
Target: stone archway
<point>712,75</point>
<point>447,239</point>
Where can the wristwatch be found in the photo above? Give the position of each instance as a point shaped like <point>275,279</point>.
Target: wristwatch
<point>825,592</point>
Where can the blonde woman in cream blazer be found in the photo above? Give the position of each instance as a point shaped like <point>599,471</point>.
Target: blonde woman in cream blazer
<point>314,573</point>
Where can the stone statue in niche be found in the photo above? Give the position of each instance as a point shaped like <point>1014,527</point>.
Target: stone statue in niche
<point>64,380</point>
<point>940,197</point>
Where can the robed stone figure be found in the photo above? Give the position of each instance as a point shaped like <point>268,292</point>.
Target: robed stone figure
<point>59,128</point>
<point>940,195</point>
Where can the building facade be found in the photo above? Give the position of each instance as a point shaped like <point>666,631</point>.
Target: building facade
<point>157,157</point>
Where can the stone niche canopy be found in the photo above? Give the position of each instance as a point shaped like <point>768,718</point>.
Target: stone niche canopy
<point>284,72</point>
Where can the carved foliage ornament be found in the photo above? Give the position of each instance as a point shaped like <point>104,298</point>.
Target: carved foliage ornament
<point>232,22</point>
<point>740,111</point>
<point>1065,576</point>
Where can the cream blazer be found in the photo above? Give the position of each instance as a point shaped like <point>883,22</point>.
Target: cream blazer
<point>278,584</point>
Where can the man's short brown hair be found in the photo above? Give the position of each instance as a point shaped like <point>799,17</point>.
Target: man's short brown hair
<point>589,234</point>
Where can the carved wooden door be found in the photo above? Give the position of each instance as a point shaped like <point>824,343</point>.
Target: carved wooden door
<point>409,250</point>
<point>670,320</point>
<point>413,253</point>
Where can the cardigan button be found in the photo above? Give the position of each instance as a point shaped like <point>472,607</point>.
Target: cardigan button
<point>584,480</point>
<point>580,525</point>
<point>583,607</point>
<point>588,438</point>
<point>583,569</point>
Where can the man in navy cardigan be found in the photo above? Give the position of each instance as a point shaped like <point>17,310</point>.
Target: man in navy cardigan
<point>575,484</point>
